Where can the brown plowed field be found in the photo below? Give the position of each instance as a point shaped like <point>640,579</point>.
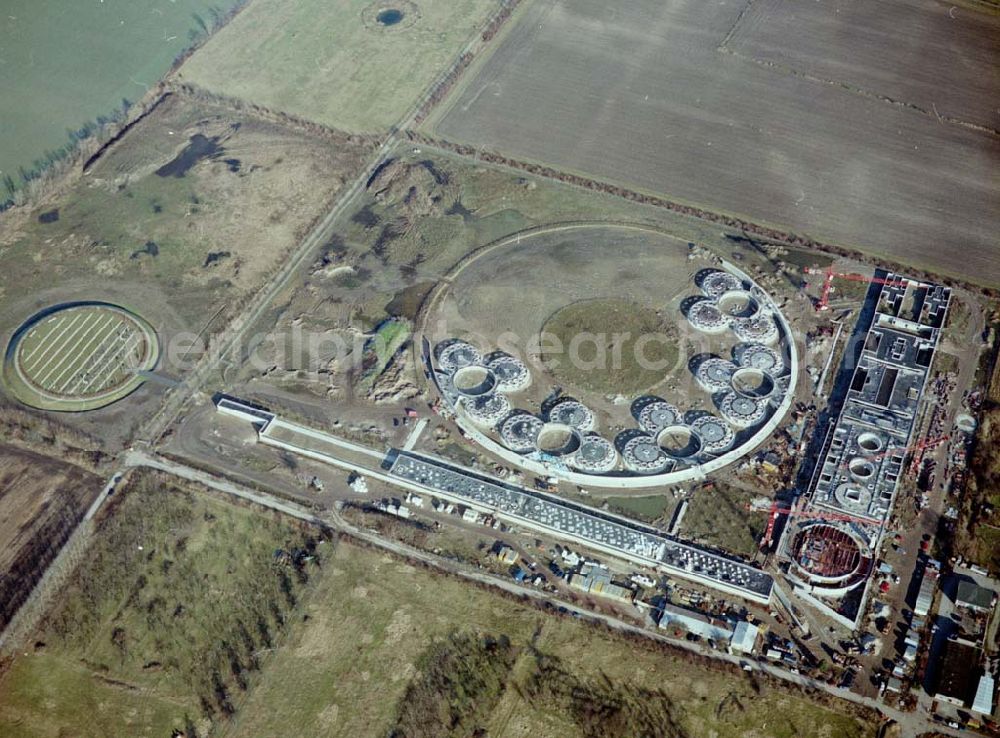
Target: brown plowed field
<point>641,94</point>
<point>41,501</point>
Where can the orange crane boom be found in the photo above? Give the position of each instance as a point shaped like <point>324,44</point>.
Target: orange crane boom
<point>776,509</point>
<point>829,276</point>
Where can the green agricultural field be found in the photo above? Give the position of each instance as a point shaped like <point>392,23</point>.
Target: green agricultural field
<point>164,622</point>
<point>332,62</point>
<point>67,64</point>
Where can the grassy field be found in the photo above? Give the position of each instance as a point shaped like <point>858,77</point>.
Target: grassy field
<point>649,508</point>
<point>330,62</point>
<point>185,216</point>
<point>718,517</point>
<point>380,631</point>
<point>426,210</point>
<point>192,614</point>
<point>66,65</point>
<point>165,621</point>
<point>675,116</point>
<point>608,346</point>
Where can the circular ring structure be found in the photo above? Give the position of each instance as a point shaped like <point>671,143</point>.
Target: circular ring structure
<point>870,443</point>
<point>511,373</point>
<point>474,380</point>
<point>566,440</point>
<point>596,455</point>
<point>657,415</point>
<point>853,497</point>
<point>742,412</point>
<point>753,383</point>
<point>572,413</point>
<point>558,439</point>
<point>643,455</point>
<point>715,374</point>
<point>680,441</point>
<point>457,354</point>
<point>707,318</point>
<point>79,356</point>
<point>830,556</point>
<point>519,432</point>
<point>861,469</point>
<point>759,356</point>
<point>717,282</point>
<point>738,304</point>
<point>716,435</point>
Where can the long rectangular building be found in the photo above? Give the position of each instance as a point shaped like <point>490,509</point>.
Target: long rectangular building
<point>593,528</point>
<point>862,459</point>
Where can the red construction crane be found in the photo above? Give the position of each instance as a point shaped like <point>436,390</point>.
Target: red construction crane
<point>922,445</point>
<point>775,509</point>
<point>829,276</point>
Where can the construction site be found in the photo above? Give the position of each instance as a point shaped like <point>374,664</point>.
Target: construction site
<point>831,543</point>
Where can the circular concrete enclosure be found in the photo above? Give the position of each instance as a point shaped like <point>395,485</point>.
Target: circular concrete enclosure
<point>861,469</point>
<point>474,380</point>
<point>679,441</point>
<point>79,356</point>
<point>557,439</point>
<point>830,555</point>
<point>870,443</point>
<point>738,304</point>
<point>753,383</point>
<point>621,334</point>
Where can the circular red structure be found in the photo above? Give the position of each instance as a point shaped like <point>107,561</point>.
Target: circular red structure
<point>829,554</point>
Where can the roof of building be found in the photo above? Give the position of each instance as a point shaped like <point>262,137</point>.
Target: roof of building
<point>971,594</point>
<point>983,703</point>
<point>958,672</point>
<point>744,636</point>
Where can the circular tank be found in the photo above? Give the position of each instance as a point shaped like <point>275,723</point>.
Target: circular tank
<point>596,455</point>
<point>643,455</point>
<point>558,439</point>
<point>870,443</point>
<point>716,436</point>
<point>715,374</point>
<point>861,469</point>
<point>759,356</point>
<point>738,304</point>
<point>511,373</point>
<point>658,415</point>
<point>707,318</point>
<point>519,432</point>
<point>572,413</point>
<point>742,412</point>
<point>487,410</point>
<point>458,354</point>
<point>753,383</point>
<point>717,283</point>
<point>758,329</point>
